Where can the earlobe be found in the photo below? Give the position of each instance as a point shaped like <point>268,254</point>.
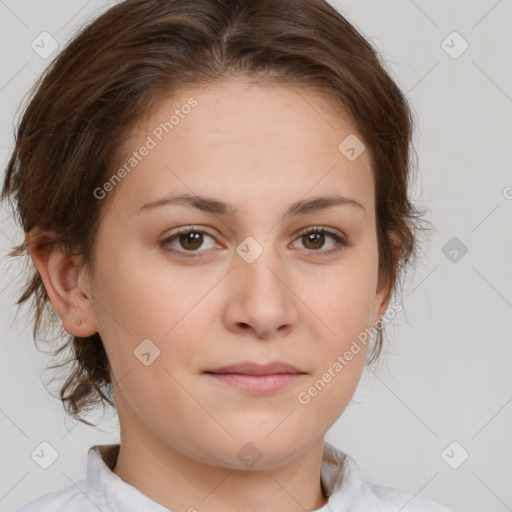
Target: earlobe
<point>382,305</point>
<point>60,274</point>
<point>382,299</point>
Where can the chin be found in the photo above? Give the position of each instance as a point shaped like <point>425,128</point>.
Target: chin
<point>253,451</point>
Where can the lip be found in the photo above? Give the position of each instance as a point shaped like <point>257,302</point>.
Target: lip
<point>257,378</point>
<point>252,368</point>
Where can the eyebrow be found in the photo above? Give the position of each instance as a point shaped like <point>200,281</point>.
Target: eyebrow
<point>210,205</point>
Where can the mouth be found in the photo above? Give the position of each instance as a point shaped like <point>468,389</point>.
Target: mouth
<point>257,378</point>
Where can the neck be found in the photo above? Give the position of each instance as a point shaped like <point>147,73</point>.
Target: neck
<point>170,478</point>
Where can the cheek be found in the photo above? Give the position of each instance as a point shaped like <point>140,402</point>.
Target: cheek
<point>343,304</point>
<point>140,312</point>
<point>338,369</point>
<point>148,295</point>
<point>154,395</point>
<point>321,401</point>
<point>340,298</point>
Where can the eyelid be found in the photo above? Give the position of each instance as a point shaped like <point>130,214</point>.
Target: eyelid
<point>192,228</point>
<point>323,229</point>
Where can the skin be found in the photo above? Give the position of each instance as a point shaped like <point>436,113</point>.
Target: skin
<point>261,148</point>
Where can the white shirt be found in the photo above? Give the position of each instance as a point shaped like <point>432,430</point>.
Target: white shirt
<point>103,491</point>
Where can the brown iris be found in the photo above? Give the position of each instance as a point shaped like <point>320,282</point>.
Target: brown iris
<point>315,238</point>
<point>192,240</point>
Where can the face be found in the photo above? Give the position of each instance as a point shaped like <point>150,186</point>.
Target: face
<point>244,281</point>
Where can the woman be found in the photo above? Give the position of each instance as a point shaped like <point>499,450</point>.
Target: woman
<point>214,196</point>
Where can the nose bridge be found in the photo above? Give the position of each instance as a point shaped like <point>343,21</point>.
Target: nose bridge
<point>258,264</point>
<point>260,280</point>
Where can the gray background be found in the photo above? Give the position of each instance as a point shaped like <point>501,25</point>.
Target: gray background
<point>446,374</point>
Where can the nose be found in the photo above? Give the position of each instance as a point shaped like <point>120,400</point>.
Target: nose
<point>260,297</point>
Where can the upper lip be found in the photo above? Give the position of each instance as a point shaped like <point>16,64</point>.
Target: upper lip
<point>252,368</point>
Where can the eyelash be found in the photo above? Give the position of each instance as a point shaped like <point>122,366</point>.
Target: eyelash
<point>342,243</point>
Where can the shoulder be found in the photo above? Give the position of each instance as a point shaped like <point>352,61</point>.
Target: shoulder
<point>392,499</point>
<point>70,498</point>
<point>348,491</point>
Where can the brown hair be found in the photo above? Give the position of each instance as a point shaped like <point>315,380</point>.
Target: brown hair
<point>123,63</point>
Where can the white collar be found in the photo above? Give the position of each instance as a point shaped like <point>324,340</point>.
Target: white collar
<point>340,476</point>
<point>110,492</point>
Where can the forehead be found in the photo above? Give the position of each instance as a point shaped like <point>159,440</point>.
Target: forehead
<point>254,141</point>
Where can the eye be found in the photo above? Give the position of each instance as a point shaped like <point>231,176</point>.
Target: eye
<point>314,238</point>
<point>189,239</point>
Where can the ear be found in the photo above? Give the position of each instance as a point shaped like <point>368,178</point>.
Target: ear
<point>61,274</point>
<point>384,286</point>
<point>381,302</point>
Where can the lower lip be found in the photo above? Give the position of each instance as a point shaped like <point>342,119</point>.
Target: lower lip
<point>258,384</point>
